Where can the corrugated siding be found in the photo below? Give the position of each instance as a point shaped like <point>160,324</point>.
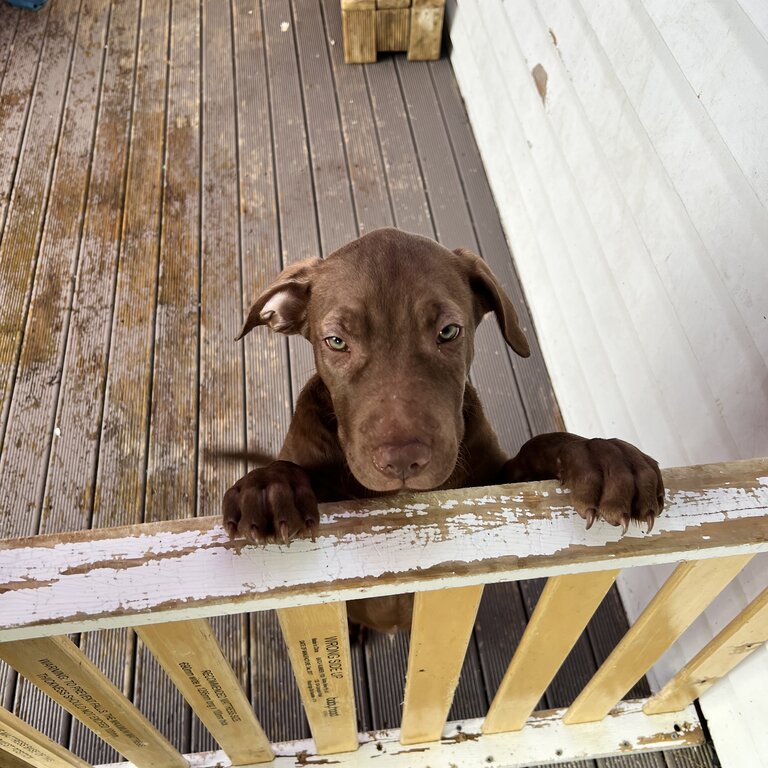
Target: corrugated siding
<point>634,193</point>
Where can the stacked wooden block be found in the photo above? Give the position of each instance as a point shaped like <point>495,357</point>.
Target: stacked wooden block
<point>369,26</point>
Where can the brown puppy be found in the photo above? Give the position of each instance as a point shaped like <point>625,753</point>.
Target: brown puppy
<point>392,319</point>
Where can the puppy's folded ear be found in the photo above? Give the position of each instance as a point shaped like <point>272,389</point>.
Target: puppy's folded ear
<point>490,297</point>
<point>283,305</point>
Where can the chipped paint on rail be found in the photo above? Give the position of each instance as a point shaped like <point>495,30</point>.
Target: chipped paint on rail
<point>366,548</point>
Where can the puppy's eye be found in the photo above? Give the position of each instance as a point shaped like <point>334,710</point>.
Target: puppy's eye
<point>449,333</point>
<point>336,344</point>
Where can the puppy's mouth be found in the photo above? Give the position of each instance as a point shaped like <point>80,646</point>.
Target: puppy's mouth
<point>393,485</point>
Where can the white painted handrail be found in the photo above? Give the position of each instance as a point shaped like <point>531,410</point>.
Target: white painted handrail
<point>188,568</point>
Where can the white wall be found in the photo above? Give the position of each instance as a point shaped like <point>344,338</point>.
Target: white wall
<point>635,199</point>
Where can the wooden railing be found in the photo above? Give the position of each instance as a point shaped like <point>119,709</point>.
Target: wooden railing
<point>166,579</point>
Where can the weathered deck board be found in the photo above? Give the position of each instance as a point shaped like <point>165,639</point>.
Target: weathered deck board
<point>70,103</point>
<point>294,192</point>
<point>333,195</point>
<point>294,155</point>
<point>222,396</point>
<point>121,474</point>
<point>69,495</point>
<point>23,52</point>
<point>366,176</point>
<point>172,448</point>
<point>9,22</point>
<point>19,250</point>
<point>293,220</point>
<point>410,207</point>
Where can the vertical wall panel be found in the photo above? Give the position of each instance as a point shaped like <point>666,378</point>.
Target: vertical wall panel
<point>632,181</point>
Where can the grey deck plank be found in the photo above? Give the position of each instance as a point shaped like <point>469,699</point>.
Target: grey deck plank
<point>20,70</point>
<point>69,492</point>
<point>293,170</point>
<point>29,434</point>
<point>172,449</point>
<point>410,207</point>
<point>70,488</point>
<point>694,757</point>
<point>268,392</point>
<point>267,381</point>
<point>333,195</point>
<point>369,188</point>
<point>328,157</point>
<point>501,620</point>
<point>222,397</point>
<point>121,474</point>
<point>28,203</point>
<point>9,22</point>
<point>24,459</point>
<point>43,303</point>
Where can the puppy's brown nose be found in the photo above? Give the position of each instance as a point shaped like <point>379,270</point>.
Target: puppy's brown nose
<point>402,460</point>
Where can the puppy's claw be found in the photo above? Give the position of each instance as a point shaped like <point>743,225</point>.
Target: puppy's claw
<point>311,527</point>
<point>650,519</point>
<point>624,524</point>
<point>591,517</point>
<point>284,532</point>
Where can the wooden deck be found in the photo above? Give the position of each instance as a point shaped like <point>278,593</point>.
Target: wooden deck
<point>159,163</point>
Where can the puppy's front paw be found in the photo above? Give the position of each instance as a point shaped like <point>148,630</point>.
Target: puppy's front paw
<point>270,504</point>
<point>612,480</point>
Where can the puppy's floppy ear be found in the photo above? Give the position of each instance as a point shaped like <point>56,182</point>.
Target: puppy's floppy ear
<point>283,305</point>
<point>490,297</point>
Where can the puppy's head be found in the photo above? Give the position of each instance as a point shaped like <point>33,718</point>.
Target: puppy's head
<point>392,319</point>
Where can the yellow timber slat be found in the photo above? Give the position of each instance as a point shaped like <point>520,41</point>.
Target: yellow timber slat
<point>442,625</point>
<point>191,655</point>
<point>358,21</point>
<point>62,671</point>
<point>317,638</point>
<point>563,610</point>
<point>747,632</point>
<point>425,30</point>
<point>686,593</point>
<point>32,747</point>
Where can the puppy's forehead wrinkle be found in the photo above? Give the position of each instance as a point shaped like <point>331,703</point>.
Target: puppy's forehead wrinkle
<point>362,291</point>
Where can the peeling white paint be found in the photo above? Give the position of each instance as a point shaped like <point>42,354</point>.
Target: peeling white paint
<point>544,738</point>
<point>202,573</point>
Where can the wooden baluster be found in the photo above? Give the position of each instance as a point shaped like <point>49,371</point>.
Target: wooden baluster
<point>564,609</point>
<point>31,747</point>
<point>317,637</point>
<point>685,594</point>
<point>442,625</point>
<point>191,655</point>
<point>62,671</point>
<point>746,633</point>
